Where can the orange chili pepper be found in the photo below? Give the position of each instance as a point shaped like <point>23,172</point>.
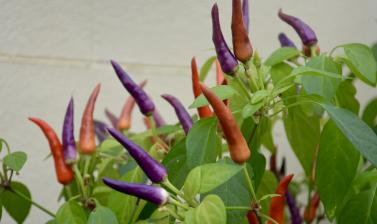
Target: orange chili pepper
<point>87,130</point>
<point>277,203</point>
<point>220,77</point>
<point>125,119</point>
<point>309,214</point>
<point>238,148</point>
<point>203,111</point>
<point>63,171</point>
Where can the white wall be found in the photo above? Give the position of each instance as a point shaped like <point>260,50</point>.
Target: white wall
<point>50,50</point>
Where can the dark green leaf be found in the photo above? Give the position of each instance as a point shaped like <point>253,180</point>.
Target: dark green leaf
<point>15,160</point>
<point>206,67</point>
<point>257,163</point>
<point>370,113</point>
<point>346,96</point>
<point>203,143</point>
<point>361,61</point>
<point>102,215</point>
<point>336,167</point>
<point>222,91</point>
<point>268,186</point>
<point>281,55</point>
<point>211,210</point>
<point>303,133</point>
<point>71,212</point>
<point>16,206</point>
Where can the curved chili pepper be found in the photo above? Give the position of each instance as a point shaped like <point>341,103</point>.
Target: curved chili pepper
<point>182,114</point>
<point>277,203</point>
<point>285,41</point>
<point>156,195</point>
<point>304,31</point>
<point>238,148</point>
<point>68,137</point>
<point>125,119</point>
<point>220,77</point>
<point>293,209</point>
<point>87,130</point>
<point>227,60</point>
<point>241,44</point>
<point>100,129</point>
<point>112,118</point>
<point>203,111</point>
<point>153,169</point>
<point>309,215</point>
<point>245,14</point>
<point>64,172</point>
<point>145,104</point>
<point>252,218</point>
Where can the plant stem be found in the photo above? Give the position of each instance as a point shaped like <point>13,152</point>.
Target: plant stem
<point>170,186</point>
<point>238,208</point>
<point>79,180</point>
<point>154,133</point>
<point>177,203</point>
<point>250,184</point>
<point>237,77</point>
<point>32,202</point>
<point>173,213</point>
<point>268,218</point>
<point>6,145</point>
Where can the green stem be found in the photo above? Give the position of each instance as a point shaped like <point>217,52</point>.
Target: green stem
<point>242,85</point>
<point>6,145</point>
<point>68,190</point>
<point>268,218</point>
<point>79,180</point>
<point>173,213</point>
<point>238,208</point>
<point>33,202</point>
<point>249,183</point>
<point>170,186</point>
<point>154,132</point>
<point>177,203</point>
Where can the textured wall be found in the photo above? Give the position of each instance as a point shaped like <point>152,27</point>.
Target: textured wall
<point>51,50</point>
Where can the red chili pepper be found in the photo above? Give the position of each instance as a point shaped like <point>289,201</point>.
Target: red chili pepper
<point>203,111</point>
<point>309,215</point>
<point>87,130</point>
<point>220,77</point>
<point>241,44</point>
<point>125,119</point>
<point>238,148</point>
<point>64,172</point>
<point>277,203</point>
<point>252,217</point>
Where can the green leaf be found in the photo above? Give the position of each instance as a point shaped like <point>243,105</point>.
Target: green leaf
<point>281,55</point>
<point>222,91</point>
<point>250,109</point>
<point>370,113</point>
<point>202,144</point>
<point>336,167</point>
<point>17,207</point>
<point>361,62</point>
<point>304,70</point>
<point>206,67</point>
<point>15,160</point>
<point>259,96</point>
<point>1,208</point>
<point>102,215</point>
<point>211,210</point>
<point>358,133</point>
<point>278,72</point>
<point>267,187</point>
<point>207,177</point>
<point>346,96</point>
<point>71,212</point>
<point>303,133</point>
<point>322,85</point>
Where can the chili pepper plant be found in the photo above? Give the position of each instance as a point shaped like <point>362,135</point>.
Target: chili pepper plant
<point>218,163</point>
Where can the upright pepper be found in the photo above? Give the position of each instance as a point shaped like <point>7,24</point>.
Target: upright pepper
<point>112,118</point>
<point>310,211</point>
<point>245,14</point>
<point>156,195</point>
<point>145,104</point>
<point>68,137</point>
<point>63,171</point>
<point>238,148</point>
<point>220,77</point>
<point>125,119</point>
<point>277,203</point>
<point>100,129</point>
<point>227,60</point>
<point>87,131</point>
<point>285,41</point>
<point>182,114</point>
<point>203,111</point>
<point>304,31</point>
<point>153,169</point>
<point>241,44</point>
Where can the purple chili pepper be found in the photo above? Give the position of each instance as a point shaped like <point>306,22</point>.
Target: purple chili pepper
<point>182,114</point>
<point>293,209</point>
<point>112,118</point>
<point>156,195</point>
<point>153,169</point>
<point>145,103</point>
<point>100,129</point>
<point>158,119</point>
<point>68,137</point>
<point>285,41</point>
<point>245,14</point>
<point>227,60</point>
<point>306,33</point>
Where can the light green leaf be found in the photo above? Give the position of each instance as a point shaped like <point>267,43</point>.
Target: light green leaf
<point>315,72</point>
<point>336,167</point>
<point>259,96</point>
<point>70,212</point>
<point>222,91</point>
<point>15,160</point>
<point>211,210</point>
<point>281,55</point>
<point>102,215</point>
<point>17,207</point>
<point>206,67</point>
<point>202,144</point>
<point>250,109</point>
<point>370,113</point>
